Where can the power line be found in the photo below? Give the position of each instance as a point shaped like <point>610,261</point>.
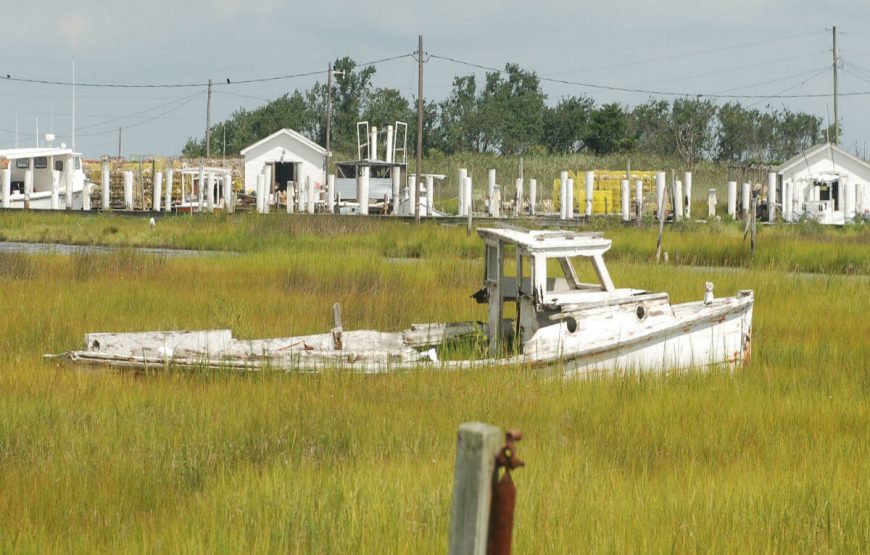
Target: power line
<point>648,91</point>
<point>815,72</point>
<point>143,122</point>
<point>140,112</point>
<point>688,54</point>
<point>228,82</point>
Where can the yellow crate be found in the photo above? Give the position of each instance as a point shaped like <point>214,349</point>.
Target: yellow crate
<point>606,189</point>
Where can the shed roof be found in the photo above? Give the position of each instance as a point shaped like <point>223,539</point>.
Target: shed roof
<point>831,150</point>
<point>289,133</point>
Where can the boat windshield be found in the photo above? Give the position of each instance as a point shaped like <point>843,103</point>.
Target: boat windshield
<point>576,273</point>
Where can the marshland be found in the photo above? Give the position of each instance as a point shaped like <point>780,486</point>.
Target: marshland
<point>773,456</point>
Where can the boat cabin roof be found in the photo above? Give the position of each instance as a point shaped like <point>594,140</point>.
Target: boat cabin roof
<point>20,153</point>
<point>549,242</point>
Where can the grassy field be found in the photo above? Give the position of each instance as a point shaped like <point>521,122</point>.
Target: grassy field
<point>770,458</point>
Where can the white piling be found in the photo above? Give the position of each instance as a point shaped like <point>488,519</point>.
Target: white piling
<point>167,190</point>
<point>290,194</point>
<point>373,144</point>
<point>157,191</point>
<point>5,187</point>
<point>362,190</point>
<point>771,196</point>
<point>55,190</point>
<point>330,192</point>
<point>849,197</point>
<point>732,199</point>
<point>309,187</point>
<point>745,199</point>
<point>466,189</point>
<point>533,196</point>
<point>787,196</point>
<point>563,195</point>
<point>638,199</point>
<point>687,184</point>
<point>128,190</point>
<point>389,146</point>
<point>626,198</point>
<point>430,195</point>
<point>412,193</point>
<point>200,189</point>
<point>496,204</point>
<point>228,194</point>
<point>569,199</point>
<point>106,185</point>
<point>678,201</point>
<point>211,196</point>
<point>28,187</point>
<point>660,194</point>
<point>490,188</point>
<point>261,193</point>
<point>396,182</point>
<point>86,196</point>
<point>463,173</point>
<point>518,201</point>
<point>711,203</point>
<point>590,187</point>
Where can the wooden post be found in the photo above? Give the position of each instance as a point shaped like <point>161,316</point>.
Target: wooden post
<point>336,329</point>
<point>477,445</point>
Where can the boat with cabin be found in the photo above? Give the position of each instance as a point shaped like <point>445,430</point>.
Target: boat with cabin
<point>552,304</point>
<point>43,178</point>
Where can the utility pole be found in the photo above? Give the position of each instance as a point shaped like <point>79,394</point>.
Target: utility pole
<point>419,130</point>
<point>73,141</point>
<point>836,91</point>
<point>208,123</point>
<point>328,113</point>
<point>120,143</point>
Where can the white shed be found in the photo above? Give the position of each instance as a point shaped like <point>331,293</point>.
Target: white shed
<point>285,156</point>
<point>825,183</point>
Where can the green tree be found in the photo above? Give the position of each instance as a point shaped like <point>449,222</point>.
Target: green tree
<point>650,128</point>
<point>608,129</point>
<point>567,124</point>
<point>692,125</point>
<point>512,111</point>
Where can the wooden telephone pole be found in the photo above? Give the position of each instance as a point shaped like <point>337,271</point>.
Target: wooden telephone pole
<point>208,123</point>
<point>836,139</point>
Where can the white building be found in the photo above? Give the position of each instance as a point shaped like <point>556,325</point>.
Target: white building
<point>824,183</point>
<point>285,156</point>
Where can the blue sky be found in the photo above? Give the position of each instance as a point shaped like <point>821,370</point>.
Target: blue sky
<point>737,47</point>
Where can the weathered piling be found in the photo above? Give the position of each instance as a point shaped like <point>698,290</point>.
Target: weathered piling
<point>28,188</point>
<point>849,198</point>
<point>309,191</point>
<point>660,194</point>
<point>518,198</point>
<point>678,201</point>
<point>533,196</point>
<point>55,190</point>
<point>711,203</point>
<point>228,194</point>
<point>746,199</point>
<point>211,192</point>
<point>68,172</point>
<point>261,194</point>
<point>638,199</point>
<point>563,195</point>
<point>490,187</point>
<point>395,181</point>
<point>105,185</point>
<point>330,192</point>
<point>157,191</point>
<point>200,190</point>
<point>463,173</point>
<point>569,199</point>
<point>771,196</point>
<point>477,446</point>
<point>687,184</point>
<point>430,195</point>
<point>787,200</point>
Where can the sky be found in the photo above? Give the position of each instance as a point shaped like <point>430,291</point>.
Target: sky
<point>747,47</point>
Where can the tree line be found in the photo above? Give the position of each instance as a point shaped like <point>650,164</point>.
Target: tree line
<point>508,114</point>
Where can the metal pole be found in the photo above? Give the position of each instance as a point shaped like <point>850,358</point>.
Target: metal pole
<point>208,123</point>
<point>836,139</point>
<point>419,125</point>
<point>328,113</point>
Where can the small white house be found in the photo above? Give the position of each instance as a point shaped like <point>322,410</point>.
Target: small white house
<point>825,183</point>
<point>284,156</point>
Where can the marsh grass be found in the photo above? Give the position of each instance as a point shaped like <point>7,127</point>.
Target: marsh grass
<point>770,458</point>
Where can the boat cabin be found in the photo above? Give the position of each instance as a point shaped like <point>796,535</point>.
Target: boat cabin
<point>35,172</point>
<point>545,273</point>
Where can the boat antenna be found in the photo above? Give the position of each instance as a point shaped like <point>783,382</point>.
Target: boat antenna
<point>73,142</point>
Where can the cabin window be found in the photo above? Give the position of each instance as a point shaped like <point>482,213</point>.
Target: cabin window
<point>572,274</point>
<point>492,269</point>
<point>40,162</point>
<point>78,165</point>
<point>58,165</point>
<point>22,163</point>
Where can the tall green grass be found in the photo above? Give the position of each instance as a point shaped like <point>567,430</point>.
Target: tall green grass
<point>773,457</point>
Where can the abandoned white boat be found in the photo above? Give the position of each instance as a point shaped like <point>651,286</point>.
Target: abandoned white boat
<point>560,322</point>
<point>43,178</point>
